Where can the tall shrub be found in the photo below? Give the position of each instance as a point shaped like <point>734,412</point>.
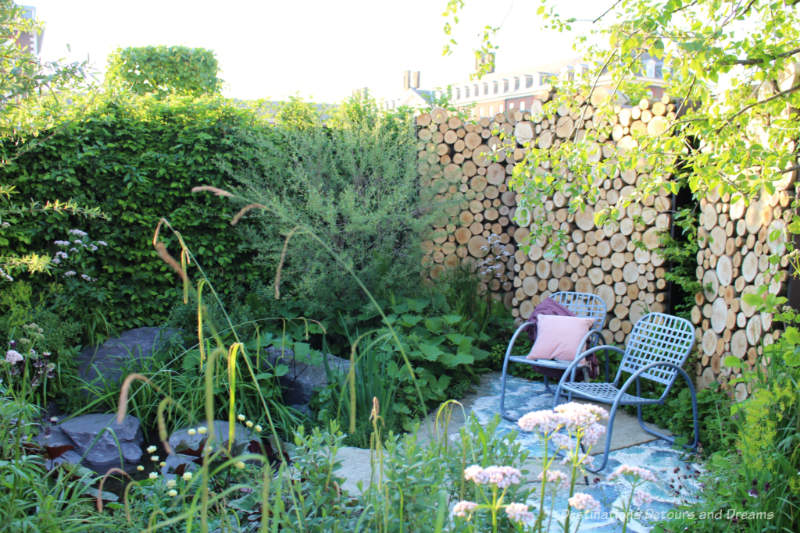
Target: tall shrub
<point>354,181</point>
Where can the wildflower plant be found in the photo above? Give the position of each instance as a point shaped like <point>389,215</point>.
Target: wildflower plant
<point>634,477</point>
<point>497,479</point>
<point>26,367</point>
<point>570,430</point>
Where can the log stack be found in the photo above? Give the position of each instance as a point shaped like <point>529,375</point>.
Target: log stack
<point>736,241</point>
<point>469,164</point>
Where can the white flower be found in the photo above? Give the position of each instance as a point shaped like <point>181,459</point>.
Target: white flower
<point>249,423</point>
<point>192,431</point>
<point>258,428</point>
<point>78,233</point>
<point>240,417</point>
<point>202,430</point>
<point>554,476</point>
<point>635,471</point>
<point>518,512</point>
<point>61,243</point>
<point>583,502</point>
<point>69,273</point>
<point>171,483</point>
<point>152,449</point>
<point>641,497</point>
<point>154,458</point>
<point>187,476</point>
<point>544,421</point>
<point>502,476</point>
<point>153,475</point>
<point>140,468</point>
<point>102,243</point>
<point>464,508</point>
<point>239,465</point>
<point>172,492</point>
<point>13,357</point>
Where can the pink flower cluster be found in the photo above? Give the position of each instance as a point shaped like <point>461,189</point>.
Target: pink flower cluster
<point>573,416</point>
<point>501,476</point>
<point>464,508</point>
<point>583,502</point>
<point>635,471</point>
<point>641,497</point>
<point>554,476</point>
<point>518,512</point>
<point>544,421</point>
<point>13,357</point>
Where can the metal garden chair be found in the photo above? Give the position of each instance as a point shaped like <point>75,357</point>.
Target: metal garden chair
<point>582,304</point>
<point>656,349</point>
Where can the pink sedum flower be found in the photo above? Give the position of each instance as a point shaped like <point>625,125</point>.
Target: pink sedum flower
<point>580,415</point>
<point>641,497</point>
<point>464,508</point>
<point>554,476</point>
<point>584,502</point>
<point>501,476</point>
<point>13,357</point>
<point>518,512</point>
<point>475,473</point>
<point>634,471</point>
<point>544,421</point>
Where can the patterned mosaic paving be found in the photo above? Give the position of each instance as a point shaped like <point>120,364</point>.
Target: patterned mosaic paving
<point>677,478</point>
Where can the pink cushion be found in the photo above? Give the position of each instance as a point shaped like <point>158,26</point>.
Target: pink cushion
<point>558,337</point>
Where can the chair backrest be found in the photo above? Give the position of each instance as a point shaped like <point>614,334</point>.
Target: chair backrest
<point>583,304</point>
<point>658,338</point>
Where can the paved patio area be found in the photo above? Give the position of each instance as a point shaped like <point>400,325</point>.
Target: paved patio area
<point>677,476</point>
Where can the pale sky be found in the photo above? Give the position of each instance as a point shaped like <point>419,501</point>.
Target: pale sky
<point>316,49</point>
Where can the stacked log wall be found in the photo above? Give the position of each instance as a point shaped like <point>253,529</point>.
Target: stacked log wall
<point>736,242</point>
<point>469,167</point>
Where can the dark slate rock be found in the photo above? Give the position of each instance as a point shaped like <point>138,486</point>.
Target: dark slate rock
<point>95,438</point>
<point>105,363</point>
<point>303,378</point>
<point>181,441</point>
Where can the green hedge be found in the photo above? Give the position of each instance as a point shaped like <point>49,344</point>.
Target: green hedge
<point>137,160</point>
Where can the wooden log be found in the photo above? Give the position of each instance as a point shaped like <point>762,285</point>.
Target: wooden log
<point>724,270</point>
<point>478,246</point>
<point>719,315</point>
<point>545,140</point>
<point>523,132</point>
<point>564,127</point>
<point>472,140</point>
<point>496,174</point>
<point>482,156</point>
<point>439,115</point>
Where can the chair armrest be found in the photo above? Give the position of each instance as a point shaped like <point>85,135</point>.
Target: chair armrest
<point>585,339</point>
<point>519,330</point>
<point>570,371</point>
<point>633,377</point>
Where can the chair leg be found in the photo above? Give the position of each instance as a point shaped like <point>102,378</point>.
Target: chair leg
<point>607,450</point>
<point>503,391</point>
<point>546,384</point>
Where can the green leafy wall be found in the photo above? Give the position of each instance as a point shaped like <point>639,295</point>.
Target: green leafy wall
<point>137,160</point>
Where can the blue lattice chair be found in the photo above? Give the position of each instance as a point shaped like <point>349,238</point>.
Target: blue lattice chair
<point>581,304</point>
<point>656,350</point>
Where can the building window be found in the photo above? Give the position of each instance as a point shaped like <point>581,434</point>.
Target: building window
<point>511,105</point>
<point>528,81</point>
<point>522,105</point>
<point>516,84</point>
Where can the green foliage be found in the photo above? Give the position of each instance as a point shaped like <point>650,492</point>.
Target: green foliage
<point>162,70</point>
<point>33,499</point>
<point>757,469</point>
<point>137,160</point>
<point>352,184</point>
<point>680,252</point>
<point>445,355</point>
